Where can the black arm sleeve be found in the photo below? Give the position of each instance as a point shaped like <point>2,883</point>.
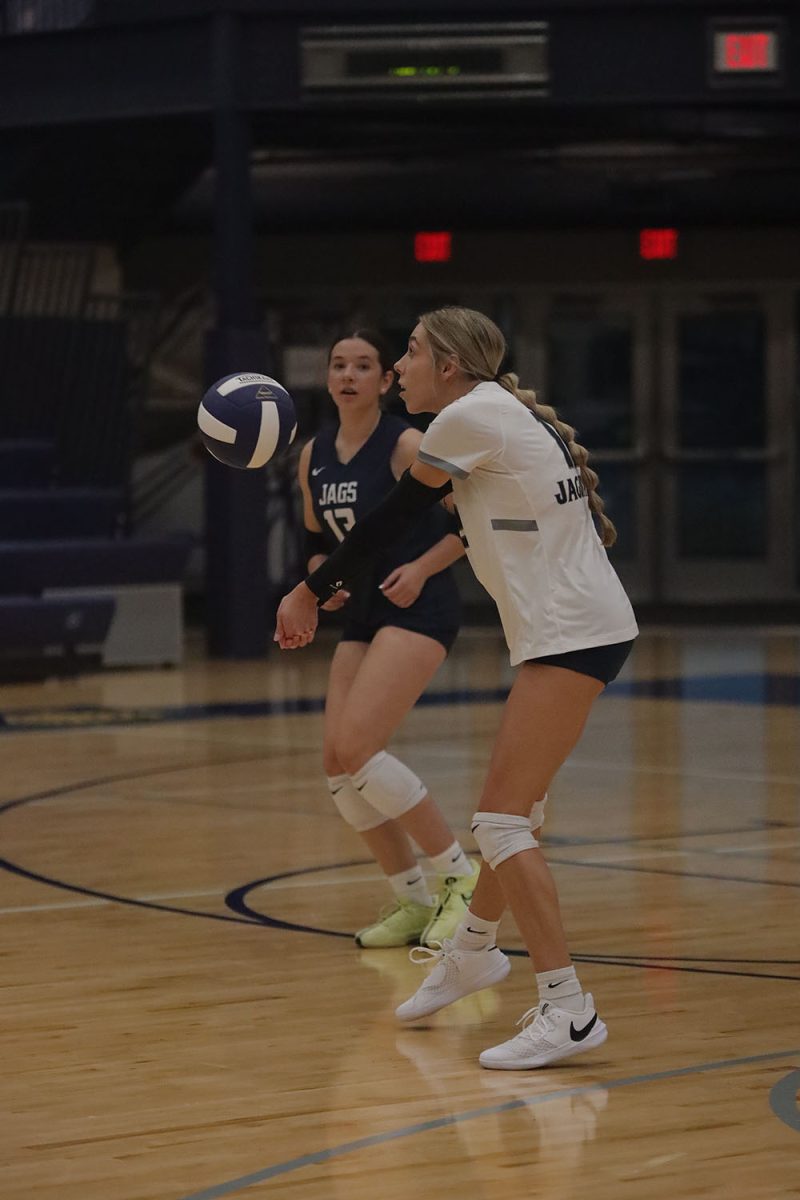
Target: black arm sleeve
<point>407,499</point>
<point>454,523</point>
<point>314,543</point>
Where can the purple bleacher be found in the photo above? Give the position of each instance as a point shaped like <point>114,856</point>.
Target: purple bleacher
<point>26,462</point>
<point>26,623</point>
<point>53,636</point>
<point>30,567</point>
<point>34,513</point>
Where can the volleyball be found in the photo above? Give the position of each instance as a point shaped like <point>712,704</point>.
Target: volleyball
<point>246,419</point>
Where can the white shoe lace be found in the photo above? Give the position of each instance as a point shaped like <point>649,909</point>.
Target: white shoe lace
<point>438,958</point>
<point>429,955</point>
<point>535,1022</point>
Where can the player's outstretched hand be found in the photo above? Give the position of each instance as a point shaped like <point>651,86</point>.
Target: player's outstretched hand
<point>403,585</point>
<point>297,619</point>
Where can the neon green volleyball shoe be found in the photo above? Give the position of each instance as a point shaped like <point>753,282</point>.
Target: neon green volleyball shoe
<point>455,893</point>
<point>399,924</point>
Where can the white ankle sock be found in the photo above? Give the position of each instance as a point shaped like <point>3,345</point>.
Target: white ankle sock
<point>474,933</point>
<point>411,885</point>
<point>452,861</point>
<point>561,987</point>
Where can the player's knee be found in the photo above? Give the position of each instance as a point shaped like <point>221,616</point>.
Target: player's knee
<point>389,785</point>
<point>353,748</point>
<point>352,805</point>
<point>330,761</point>
<point>502,835</point>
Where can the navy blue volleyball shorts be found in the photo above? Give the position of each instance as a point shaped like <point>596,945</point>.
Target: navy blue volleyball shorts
<point>364,631</point>
<point>600,662</point>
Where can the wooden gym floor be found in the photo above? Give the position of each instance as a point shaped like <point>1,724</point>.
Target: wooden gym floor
<point>186,1017</point>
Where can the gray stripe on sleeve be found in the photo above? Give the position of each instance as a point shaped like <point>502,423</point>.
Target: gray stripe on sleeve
<point>442,464</point>
<point>516,526</point>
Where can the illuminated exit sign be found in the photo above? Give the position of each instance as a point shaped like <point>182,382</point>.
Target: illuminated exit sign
<point>658,243</point>
<point>433,247</point>
<point>746,52</point>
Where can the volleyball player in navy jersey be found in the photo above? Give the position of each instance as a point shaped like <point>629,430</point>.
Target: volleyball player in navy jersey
<point>401,619</point>
<point>537,537</point>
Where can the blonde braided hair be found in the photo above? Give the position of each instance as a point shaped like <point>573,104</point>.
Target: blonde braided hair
<point>479,348</point>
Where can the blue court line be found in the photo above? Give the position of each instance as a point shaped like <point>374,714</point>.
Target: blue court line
<point>378,1139</point>
<point>783,1100</point>
<point>729,689</point>
<point>88,716</point>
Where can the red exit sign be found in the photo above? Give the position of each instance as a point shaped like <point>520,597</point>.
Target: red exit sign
<point>433,247</point>
<point>742,53</point>
<point>658,243</point>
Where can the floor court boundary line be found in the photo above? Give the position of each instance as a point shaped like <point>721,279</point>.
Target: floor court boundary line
<point>220,891</point>
<point>237,901</point>
<point>687,851</point>
<point>707,875</point>
<point>87,716</point>
<point>314,1158</point>
<point>600,764</point>
<point>240,892</point>
<point>168,732</point>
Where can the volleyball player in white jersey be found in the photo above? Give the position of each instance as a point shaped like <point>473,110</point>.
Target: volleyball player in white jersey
<point>536,535</point>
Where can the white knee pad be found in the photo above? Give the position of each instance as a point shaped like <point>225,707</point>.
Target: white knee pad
<point>537,813</point>
<point>352,805</point>
<point>502,835</point>
<point>388,785</point>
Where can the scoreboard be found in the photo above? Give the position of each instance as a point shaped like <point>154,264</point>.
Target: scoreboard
<point>674,54</point>
<point>433,60</point>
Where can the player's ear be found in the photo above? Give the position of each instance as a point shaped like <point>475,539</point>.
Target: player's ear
<point>386,382</point>
<point>449,367</point>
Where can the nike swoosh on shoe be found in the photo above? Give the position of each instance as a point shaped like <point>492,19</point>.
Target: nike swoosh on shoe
<point>578,1035</point>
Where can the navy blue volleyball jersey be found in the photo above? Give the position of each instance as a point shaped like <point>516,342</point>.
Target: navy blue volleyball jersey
<point>343,493</point>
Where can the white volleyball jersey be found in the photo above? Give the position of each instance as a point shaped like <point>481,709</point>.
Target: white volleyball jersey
<point>531,539</point>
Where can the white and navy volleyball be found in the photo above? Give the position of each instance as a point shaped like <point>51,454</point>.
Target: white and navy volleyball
<point>246,419</point>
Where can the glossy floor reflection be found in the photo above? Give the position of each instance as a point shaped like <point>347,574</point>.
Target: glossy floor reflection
<point>185,1014</point>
